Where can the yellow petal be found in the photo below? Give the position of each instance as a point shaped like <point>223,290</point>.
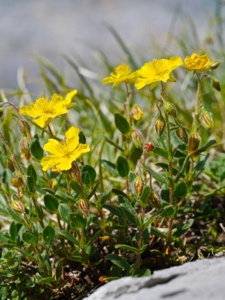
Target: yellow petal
<point>69,97</point>
<point>49,162</point>
<point>43,121</point>
<point>52,146</point>
<point>82,149</point>
<point>72,138</point>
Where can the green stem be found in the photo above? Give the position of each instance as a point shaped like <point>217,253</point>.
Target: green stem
<point>197,104</point>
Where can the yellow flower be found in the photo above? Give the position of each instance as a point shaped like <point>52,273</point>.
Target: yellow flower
<point>197,62</point>
<point>44,110</point>
<point>157,70</point>
<point>121,74</point>
<point>63,153</point>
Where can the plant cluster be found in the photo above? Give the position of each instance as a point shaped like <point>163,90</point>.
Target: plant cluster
<point>83,206</point>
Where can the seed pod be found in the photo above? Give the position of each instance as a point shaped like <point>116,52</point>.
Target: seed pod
<point>154,200</point>
<point>182,134</point>
<point>17,206</point>
<point>170,108</point>
<point>194,142</point>
<point>206,119</point>
<point>17,181</point>
<point>25,129</point>
<point>216,84</point>
<point>25,148</point>
<point>84,207</point>
<point>137,138</point>
<point>138,185</point>
<point>160,125</point>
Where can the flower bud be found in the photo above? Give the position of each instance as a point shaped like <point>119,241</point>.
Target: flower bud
<point>25,129</point>
<point>181,132</point>
<point>194,142</point>
<point>1,111</point>
<point>137,138</point>
<point>10,165</point>
<point>138,185</point>
<point>160,125</point>
<point>17,206</point>
<point>214,65</point>
<point>216,85</point>
<point>170,108</point>
<point>206,119</point>
<point>154,200</point>
<point>17,181</point>
<point>149,147</point>
<point>136,112</point>
<point>25,148</point>
<point>84,207</point>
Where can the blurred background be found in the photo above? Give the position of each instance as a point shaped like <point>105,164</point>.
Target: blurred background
<point>79,29</point>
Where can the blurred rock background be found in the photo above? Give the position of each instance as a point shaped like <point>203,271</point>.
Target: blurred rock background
<point>77,28</point>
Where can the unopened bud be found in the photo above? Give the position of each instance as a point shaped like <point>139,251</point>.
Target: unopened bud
<point>194,142</point>
<point>84,207</point>
<point>1,111</point>
<point>25,129</point>
<point>10,165</point>
<point>137,138</point>
<point>138,185</point>
<point>182,134</point>
<point>170,108</point>
<point>17,181</point>
<point>206,119</point>
<point>17,206</point>
<point>214,65</point>
<point>149,147</point>
<point>136,112</point>
<point>154,200</point>
<point>160,125</point>
<point>216,85</point>
<point>25,148</point>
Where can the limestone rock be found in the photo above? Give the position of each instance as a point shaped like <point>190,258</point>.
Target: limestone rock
<point>201,279</point>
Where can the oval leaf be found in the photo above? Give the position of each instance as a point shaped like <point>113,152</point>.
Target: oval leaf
<point>122,166</point>
<point>88,174</point>
<point>48,234</point>
<point>121,124</point>
<point>36,150</point>
<point>51,203</point>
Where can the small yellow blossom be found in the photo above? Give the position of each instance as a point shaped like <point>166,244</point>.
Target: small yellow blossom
<point>197,62</point>
<point>137,112</point>
<point>121,74</point>
<point>44,110</point>
<point>63,153</point>
<point>157,70</point>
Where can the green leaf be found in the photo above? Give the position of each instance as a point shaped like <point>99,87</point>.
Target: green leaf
<point>201,164</point>
<point>118,261</point>
<point>156,175</point>
<point>15,216</point>
<point>51,203</point>
<point>122,166</point>
<point>92,192</point>
<point>31,178</point>
<point>36,149</point>
<point>105,195</point>
<point>88,174</point>
<point>113,143</point>
<point>121,124</point>
<point>143,273</point>
<point>76,187</point>
<point>29,238</point>
<point>205,147</point>
<point>179,230</point>
<point>115,210</point>
<point>77,220</point>
<point>69,237</point>
<point>130,248</point>
<point>161,152</point>
<point>48,234</point>
<point>128,210</point>
<point>109,166</point>
<point>180,191</point>
<point>13,232</point>
<point>64,211</point>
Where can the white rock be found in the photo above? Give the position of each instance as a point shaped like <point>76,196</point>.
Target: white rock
<point>198,280</point>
